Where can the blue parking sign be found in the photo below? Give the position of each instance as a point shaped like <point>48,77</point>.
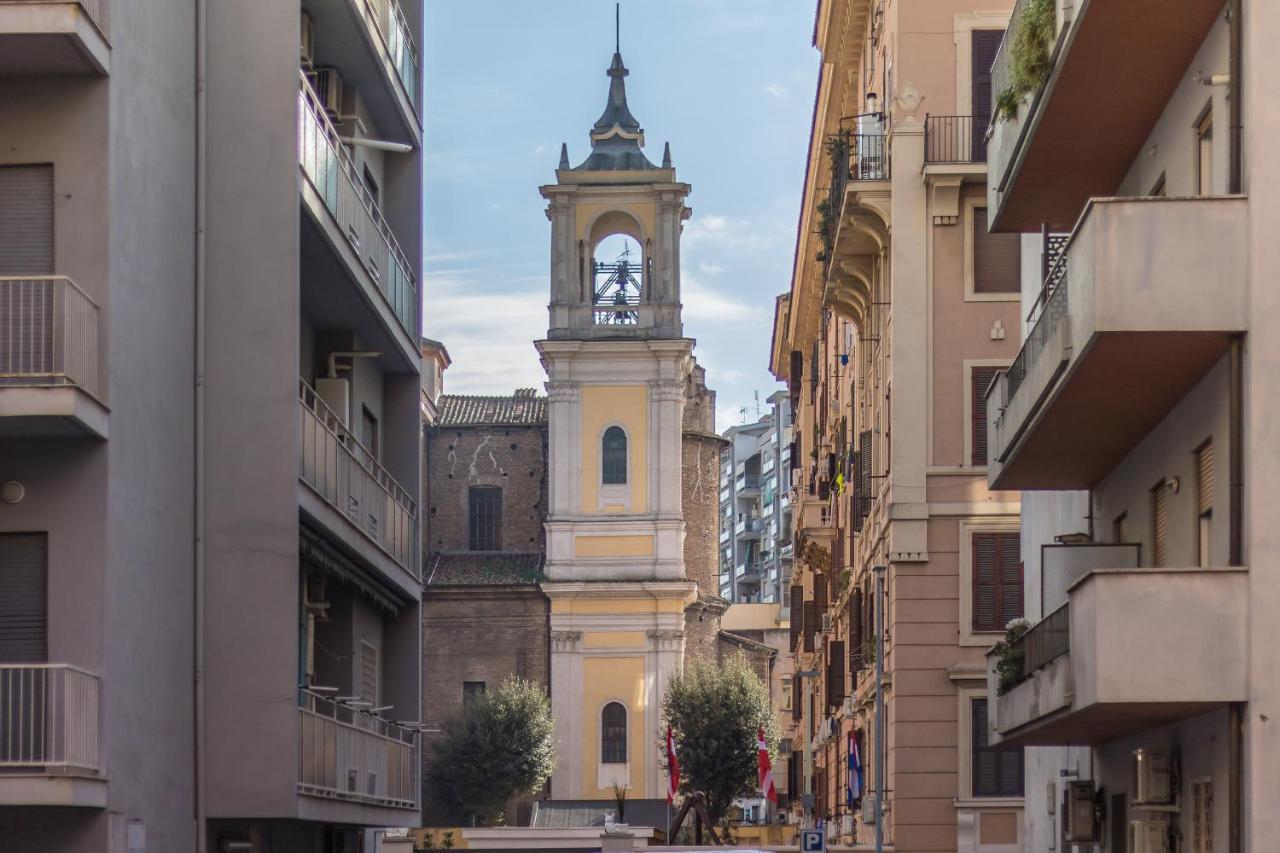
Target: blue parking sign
<point>813,841</point>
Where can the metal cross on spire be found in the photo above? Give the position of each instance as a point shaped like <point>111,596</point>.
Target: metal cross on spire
<point>617,28</point>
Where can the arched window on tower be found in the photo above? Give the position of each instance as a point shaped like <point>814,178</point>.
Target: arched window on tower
<point>616,281</point>
<point>613,456</point>
<point>613,734</point>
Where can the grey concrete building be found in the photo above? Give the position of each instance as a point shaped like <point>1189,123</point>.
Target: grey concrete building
<point>210,235</point>
<point>755,508</point>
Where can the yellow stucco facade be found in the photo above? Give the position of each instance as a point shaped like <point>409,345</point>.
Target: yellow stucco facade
<point>613,679</point>
<point>604,406</point>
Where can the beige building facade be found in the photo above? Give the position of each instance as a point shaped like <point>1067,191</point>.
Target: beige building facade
<point>901,309</point>
<point>209,397</point>
<point>1135,420</point>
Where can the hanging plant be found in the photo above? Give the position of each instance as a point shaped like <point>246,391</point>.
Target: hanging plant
<point>1030,56</point>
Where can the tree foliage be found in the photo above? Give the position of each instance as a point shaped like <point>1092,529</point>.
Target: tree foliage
<point>714,711</point>
<point>500,745</point>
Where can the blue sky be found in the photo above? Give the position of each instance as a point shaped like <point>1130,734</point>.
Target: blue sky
<point>728,82</point>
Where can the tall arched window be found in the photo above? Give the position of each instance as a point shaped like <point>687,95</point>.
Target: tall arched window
<point>614,456</point>
<point>613,734</point>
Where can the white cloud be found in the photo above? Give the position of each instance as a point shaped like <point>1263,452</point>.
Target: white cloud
<point>707,305</point>
<point>710,269</point>
<point>489,335</point>
<point>724,232</point>
<point>776,91</point>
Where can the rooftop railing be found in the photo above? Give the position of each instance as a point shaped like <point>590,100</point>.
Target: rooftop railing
<point>50,719</point>
<point>49,334</point>
<point>351,480</point>
<point>351,754</point>
<point>332,173</point>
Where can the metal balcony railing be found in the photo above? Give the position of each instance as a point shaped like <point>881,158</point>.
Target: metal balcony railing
<point>93,8</point>
<point>1001,67</point>
<point>350,754</point>
<point>328,167</point>
<point>351,480</point>
<point>1048,639</point>
<point>49,334</point>
<point>954,139</point>
<point>50,719</point>
<point>748,481</point>
<point>1049,309</point>
<point>397,39</point>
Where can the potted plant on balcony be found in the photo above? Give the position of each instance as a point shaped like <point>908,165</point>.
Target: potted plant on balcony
<point>1030,58</point>
<point>1010,654</point>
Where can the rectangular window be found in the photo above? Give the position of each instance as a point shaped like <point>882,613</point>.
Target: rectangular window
<point>26,220</point>
<point>370,183</point>
<point>979,379</point>
<point>997,580</point>
<point>485,517</point>
<point>1160,525</point>
<point>997,770</point>
<point>997,258</point>
<point>983,47</point>
<point>369,432</point>
<point>472,690</point>
<point>368,672</point>
<point>1120,528</point>
<point>1204,153</point>
<point>786,694</point>
<point>1204,501</point>
<point>24,582</point>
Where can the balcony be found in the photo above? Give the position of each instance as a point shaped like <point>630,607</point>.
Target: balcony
<point>348,491</point>
<point>50,731</point>
<point>1114,68</point>
<point>371,43</point>
<point>953,140</point>
<point>53,37</point>
<point>1131,649</point>
<point>749,528</point>
<point>347,214</point>
<point>748,484</point>
<point>1136,310</point>
<point>51,379</point>
<point>750,573</point>
<point>352,755</point>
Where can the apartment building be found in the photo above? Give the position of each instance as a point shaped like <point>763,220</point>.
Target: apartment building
<point>901,308</point>
<point>755,508</point>
<point>1136,420</point>
<point>209,396</point>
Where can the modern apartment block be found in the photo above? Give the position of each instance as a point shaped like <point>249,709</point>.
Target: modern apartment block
<point>901,308</point>
<point>755,508</point>
<point>210,234</point>
<point>1137,420</point>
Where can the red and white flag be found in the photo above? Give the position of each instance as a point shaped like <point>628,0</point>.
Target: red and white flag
<point>673,767</point>
<point>766,768</point>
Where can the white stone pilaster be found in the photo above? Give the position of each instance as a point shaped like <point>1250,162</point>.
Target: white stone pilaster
<point>566,708</point>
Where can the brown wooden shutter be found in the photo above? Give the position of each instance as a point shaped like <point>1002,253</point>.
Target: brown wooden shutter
<point>835,673</point>
<point>797,697</point>
<point>797,371</point>
<point>980,379</point>
<point>797,613</point>
<point>986,586</point>
<point>997,258</point>
<point>811,624</point>
<point>1010,578</point>
<point>864,473</point>
<point>984,45</point>
<point>819,595</point>
<point>997,771</point>
<point>1204,479</point>
<point>26,220</point>
<point>1160,525</point>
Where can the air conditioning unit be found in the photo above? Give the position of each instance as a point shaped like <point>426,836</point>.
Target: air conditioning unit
<point>328,86</point>
<point>869,809</point>
<point>826,623</point>
<point>1079,817</point>
<point>846,824</point>
<point>1152,778</point>
<point>1149,836</point>
<point>308,44</point>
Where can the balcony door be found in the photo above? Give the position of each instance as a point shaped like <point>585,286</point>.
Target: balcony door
<point>984,46</point>
<point>26,220</point>
<point>24,689</point>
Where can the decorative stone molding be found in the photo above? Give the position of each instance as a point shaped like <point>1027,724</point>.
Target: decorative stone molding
<point>667,390</point>
<point>563,392</point>
<point>666,641</point>
<point>566,641</point>
<point>945,201</point>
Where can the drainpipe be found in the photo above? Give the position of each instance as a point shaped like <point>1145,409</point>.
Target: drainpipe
<point>1235,427</point>
<point>1235,181</point>
<point>880,727</point>
<point>198,787</point>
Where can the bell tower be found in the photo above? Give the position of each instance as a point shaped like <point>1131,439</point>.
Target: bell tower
<point>618,369</point>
